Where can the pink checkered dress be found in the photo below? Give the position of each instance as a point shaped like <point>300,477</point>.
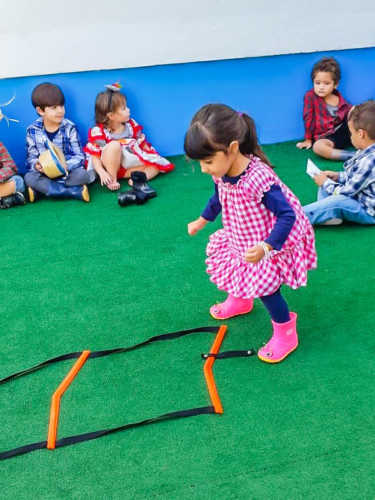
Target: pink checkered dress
<point>247,222</point>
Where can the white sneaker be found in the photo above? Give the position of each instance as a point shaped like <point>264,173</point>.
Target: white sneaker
<point>333,222</point>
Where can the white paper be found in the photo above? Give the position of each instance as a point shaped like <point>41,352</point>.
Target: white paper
<point>311,169</point>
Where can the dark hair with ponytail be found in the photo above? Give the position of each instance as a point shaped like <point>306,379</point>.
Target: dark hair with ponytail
<point>215,126</point>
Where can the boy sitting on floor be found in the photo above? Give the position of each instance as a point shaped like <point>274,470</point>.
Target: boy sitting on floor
<point>350,195</point>
<point>49,102</point>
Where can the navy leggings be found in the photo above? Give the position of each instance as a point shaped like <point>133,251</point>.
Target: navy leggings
<point>277,307</point>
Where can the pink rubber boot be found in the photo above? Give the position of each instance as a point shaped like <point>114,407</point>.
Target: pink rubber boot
<point>283,341</point>
<point>232,306</point>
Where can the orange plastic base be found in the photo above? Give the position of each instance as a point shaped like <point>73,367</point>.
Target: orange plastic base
<point>207,369</point>
<point>55,402</point>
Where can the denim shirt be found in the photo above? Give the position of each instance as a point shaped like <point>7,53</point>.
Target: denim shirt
<point>66,138</point>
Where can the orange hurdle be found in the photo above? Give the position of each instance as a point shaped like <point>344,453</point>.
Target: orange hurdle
<point>55,402</point>
<point>207,369</point>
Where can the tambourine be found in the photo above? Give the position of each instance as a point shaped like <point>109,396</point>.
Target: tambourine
<point>53,161</point>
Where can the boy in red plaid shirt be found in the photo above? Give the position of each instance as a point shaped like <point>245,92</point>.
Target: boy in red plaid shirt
<point>325,113</point>
<point>12,186</point>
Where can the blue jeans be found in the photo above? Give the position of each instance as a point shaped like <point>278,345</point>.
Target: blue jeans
<point>18,181</point>
<point>76,177</point>
<point>336,207</point>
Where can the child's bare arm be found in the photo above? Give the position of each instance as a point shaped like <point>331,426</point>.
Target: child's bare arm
<point>105,177</point>
<point>331,174</point>
<point>196,225</point>
<point>256,253</point>
<point>306,144</point>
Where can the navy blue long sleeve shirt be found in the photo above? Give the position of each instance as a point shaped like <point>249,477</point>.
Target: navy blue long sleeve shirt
<point>274,200</point>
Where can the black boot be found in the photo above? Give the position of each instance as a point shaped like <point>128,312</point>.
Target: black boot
<point>131,197</point>
<point>140,184</point>
<point>12,200</point>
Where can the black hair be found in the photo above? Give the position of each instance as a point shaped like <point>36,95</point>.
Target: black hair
<point>215,126</point>
<point>47,94</point>
<point>327,65</point>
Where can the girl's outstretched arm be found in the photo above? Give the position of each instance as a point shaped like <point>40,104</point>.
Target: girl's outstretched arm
<point>196,225</point>
<point>209,214</point>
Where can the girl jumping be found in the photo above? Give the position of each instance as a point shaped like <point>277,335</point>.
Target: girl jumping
<point>266,239</point>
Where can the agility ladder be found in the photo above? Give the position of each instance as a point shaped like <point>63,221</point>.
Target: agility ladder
<point>52,442</point>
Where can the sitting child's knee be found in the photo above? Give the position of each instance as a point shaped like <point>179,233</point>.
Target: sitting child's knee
<point>113,146</point>
<point>316,147</point>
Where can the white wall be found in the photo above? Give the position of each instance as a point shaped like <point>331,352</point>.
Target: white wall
<point>48,36</point>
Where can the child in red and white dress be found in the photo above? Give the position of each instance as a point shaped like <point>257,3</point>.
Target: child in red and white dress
<point>116,146</point>
<point>266,239</point>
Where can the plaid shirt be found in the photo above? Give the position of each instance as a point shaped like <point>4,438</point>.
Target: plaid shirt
<point>357,180</point>
<point>7,166</point>
<point>66,138</point>
<point>318,121</point>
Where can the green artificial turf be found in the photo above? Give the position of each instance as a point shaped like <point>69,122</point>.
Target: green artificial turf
<point>96,276</point>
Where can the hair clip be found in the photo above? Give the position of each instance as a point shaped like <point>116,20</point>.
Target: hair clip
<point>240,113</point>
<point>4,116</point>
<point>115,87</point>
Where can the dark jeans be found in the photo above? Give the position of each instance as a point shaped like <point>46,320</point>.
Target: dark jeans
<point>76,177</point>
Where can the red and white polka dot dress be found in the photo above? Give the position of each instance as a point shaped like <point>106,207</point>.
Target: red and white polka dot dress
<point>247,222</point>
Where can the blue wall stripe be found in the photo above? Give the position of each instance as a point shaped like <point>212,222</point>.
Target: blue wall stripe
<point>164,98</point>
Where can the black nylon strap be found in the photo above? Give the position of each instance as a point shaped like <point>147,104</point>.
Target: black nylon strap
<point>156,338</point>
<point>63,357</point>
<point>22,450</point>
<point>107,352</point>
<point>166,416</point>
<point>229,354</point>
<point>88,436</point>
